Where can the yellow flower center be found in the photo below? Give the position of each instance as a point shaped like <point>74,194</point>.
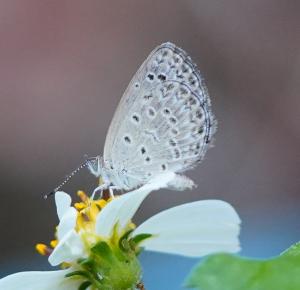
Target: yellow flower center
<point>108,262</point>
<point>87,211</point>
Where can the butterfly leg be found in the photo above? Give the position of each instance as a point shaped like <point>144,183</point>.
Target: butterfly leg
<point>99,188</point>
<point>111,190</point>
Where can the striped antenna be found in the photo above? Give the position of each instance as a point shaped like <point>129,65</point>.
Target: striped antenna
<point>68,177</point>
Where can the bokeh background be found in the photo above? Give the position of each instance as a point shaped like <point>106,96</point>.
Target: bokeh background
<point>63,68</point>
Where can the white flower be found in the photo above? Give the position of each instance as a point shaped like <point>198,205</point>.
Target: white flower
<point>192,229</point>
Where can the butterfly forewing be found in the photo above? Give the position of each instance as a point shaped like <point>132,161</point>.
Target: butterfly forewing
<point>163,121</point>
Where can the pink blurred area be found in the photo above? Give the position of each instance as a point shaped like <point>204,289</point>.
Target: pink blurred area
<point>65,64</point>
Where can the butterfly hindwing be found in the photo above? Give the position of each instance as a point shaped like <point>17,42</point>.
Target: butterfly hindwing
<point>164,121</point>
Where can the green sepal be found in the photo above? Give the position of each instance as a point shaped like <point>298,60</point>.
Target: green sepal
<point>139,238</point>
<point>88,262</point>
<point>123,242</point>
<point>78,273</point>
<point>112,264</point>
<point>85,285</point>
<point>103,250</point>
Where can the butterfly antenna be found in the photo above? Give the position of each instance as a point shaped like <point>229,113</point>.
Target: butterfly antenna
<point>68,177</point>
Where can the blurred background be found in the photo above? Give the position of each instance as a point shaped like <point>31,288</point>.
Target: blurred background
<point>64,67</point>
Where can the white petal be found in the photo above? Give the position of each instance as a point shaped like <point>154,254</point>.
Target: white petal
<point>38,280</point>
<point>193,229</point>
<point>63,202</point>
<point>122,209</point>
<point>69,249</point>
<point>67,222</point>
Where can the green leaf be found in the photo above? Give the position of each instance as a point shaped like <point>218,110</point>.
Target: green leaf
<point>103,250</point>
<point>230,272</point>
<point>141,237</point>
<point>294,250</point>
<point>85,285</point>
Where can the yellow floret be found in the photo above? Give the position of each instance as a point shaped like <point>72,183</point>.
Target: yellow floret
<point>82,195</point>
<point>42,249</point>
<point>80,205</point>
<point>53,243</point>
<point>101,203</point>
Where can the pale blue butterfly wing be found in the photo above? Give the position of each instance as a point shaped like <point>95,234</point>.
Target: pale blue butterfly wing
<point>163,122</point>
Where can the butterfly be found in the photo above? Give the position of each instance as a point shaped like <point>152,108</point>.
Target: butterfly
<point>163,123</point>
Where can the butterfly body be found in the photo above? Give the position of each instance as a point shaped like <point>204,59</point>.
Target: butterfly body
<point>163,122</point>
